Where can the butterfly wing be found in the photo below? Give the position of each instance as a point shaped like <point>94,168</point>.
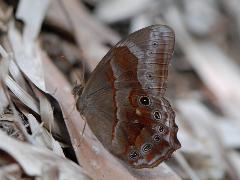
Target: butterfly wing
<point>123,100</point>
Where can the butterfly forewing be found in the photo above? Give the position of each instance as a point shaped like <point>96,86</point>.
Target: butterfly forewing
<point>124,93</point>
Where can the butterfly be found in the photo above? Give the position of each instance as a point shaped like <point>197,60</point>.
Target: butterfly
<point>123,101</point>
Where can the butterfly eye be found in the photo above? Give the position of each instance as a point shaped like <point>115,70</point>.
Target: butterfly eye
<point>157,115</point>
<point>156,138</point>
<point>146,148</point>
<point>133,155</point>
<point>144,100</point>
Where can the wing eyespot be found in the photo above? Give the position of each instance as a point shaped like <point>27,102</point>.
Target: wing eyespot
<point>144,100</point>
<point>156,138</point>
<point>146,148</point>
<point>155,44</point>
<point>161,129</point>
<point>149,53</point>
<point>149,76</point>
<point>133,155</point>
<point>157,115</point>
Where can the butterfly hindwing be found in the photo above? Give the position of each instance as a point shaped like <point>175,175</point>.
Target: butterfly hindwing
<point>124,103</point>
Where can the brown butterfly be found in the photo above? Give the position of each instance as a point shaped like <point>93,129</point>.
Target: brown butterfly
<point>123,101</point>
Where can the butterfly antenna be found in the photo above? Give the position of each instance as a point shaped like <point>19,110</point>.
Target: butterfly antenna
<point>84,127</point>
<point>83,73</point>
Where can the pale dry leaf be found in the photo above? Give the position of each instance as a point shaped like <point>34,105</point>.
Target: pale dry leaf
<point>51,116</point>
<point>10,172</point>
<point>233,7</point>
<point>195,13</point>
<point>32,12</point>
<point>229,131</point>
<point>27,58</point>
<point>18,76</point>
<point>217,70</point>
<point>22,95</point>
<point>109,11</point>
<point>235,159</point>
<point>190,144</point>
<point>5,16</point>
<point>33,159</point>
<point>140,21</point>
<point>42,137</point>
<point>6,79</point>
<point>51,172</point>
<point>92,34</point>
<point>182,161</point>
<point>90,26</point>
<point>206,131</point>
<point>3,99</point>
<point>4,63</point>
<point>46,110</point>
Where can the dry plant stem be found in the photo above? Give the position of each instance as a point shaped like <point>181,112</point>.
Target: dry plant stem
<point>99,163</point>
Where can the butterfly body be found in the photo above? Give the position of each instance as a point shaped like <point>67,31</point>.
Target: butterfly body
<point>123,101</point>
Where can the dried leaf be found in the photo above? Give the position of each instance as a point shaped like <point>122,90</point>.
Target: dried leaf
<point>33,160</point>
